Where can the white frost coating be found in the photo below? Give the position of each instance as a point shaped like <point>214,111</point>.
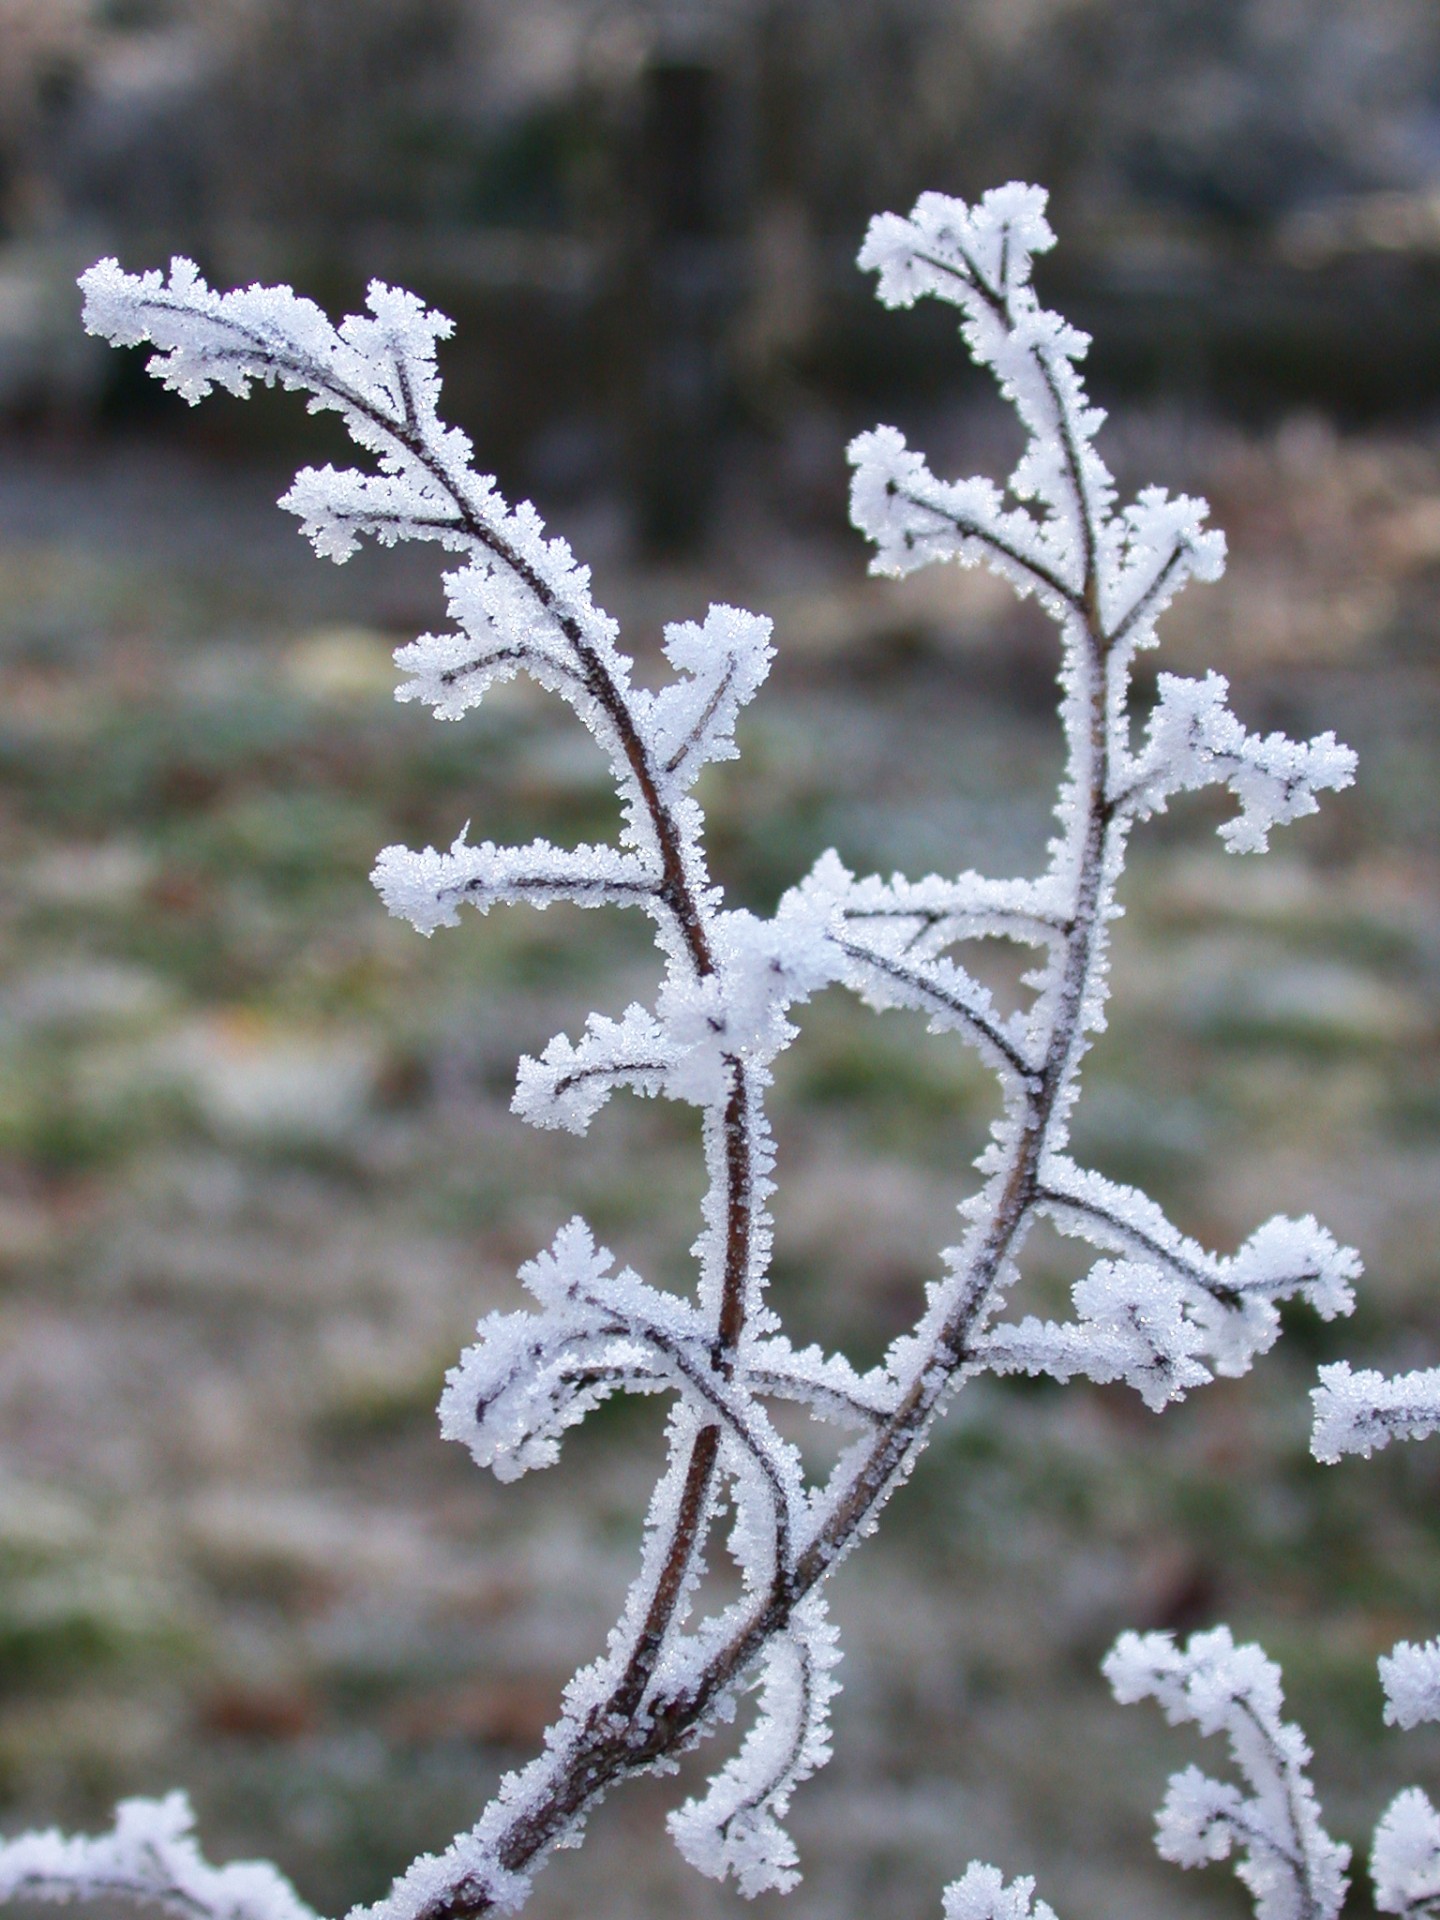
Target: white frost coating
<point>736,1828</point>
<point>914,519</point>
<point>1231,1301</point>
<point>1158,1311</point>
<point>979,260</point>
<point>1363,1412</point>
<point>981,1894</point>
<point>826,1383</point>
<point>918,919</point>
<point>428,889</point>
<point>721,665</point>
<point>1405,1859</point>
<point>1292,1867</point>
<point>571,1081</point>
<point>1410,1676</point>
<point>148,1857</point>
<point>531,1376</point>
<point>1195,741</point>
<point>1130,1325</point>
<point>1158,543</point>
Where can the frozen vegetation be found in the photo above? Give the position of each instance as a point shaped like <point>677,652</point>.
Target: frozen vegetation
<point>1156,1311</point>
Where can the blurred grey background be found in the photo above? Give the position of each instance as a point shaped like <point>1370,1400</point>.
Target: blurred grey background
<point>258,1177</point>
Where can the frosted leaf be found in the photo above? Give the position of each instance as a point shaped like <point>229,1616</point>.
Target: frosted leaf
<point>1194,740</point>
<point>1131,1326</point>
<point>1410,1676</point>
<point>721,665</point>
<point>148,1857</point>
<point>569,1083</point>
<point>735,1829</point>
<point>429,888</point>
<point>1363,1412</point>
<point>981,1894</point>
<point>1405,1859</point>
<point>1292,1867</point>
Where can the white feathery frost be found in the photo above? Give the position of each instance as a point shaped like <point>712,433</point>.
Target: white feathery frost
<point>1405,1859</point>
<point>1157,1310</point>
<point>981,1894</point>
<point>1410,1676</point>
<point>1363,1412</point>
<point>1291,1866</point>
<point>148,1858</point>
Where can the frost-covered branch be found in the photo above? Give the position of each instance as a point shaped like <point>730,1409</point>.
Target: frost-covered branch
<point>1363,1412</point>
<point>1231,1301</point>
<point>1159,1311</point>
<point>1195,741</point>
<point>150,1859</point>
<point>1292,1867</point>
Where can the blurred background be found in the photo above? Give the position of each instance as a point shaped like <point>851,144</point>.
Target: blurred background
<point>258,1177</point>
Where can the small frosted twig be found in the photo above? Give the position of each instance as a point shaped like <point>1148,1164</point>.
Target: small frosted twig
<point>825,1383</point>
<point>148,1857</point>
<point>1131,1327</point>
<point>736,1827</point>
<point>923,917</point>
<point>1195,741</point>
<point>429,888</point>
<point>1292,1867</point>
<point>1363,1412</point>
<point>1232,1300</point>
<point>953,1000</point>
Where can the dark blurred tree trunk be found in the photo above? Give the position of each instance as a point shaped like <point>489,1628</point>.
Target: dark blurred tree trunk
<point>680,285</point>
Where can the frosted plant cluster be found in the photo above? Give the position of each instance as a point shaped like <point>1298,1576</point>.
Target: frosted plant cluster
<point>1291,1866</point>
<point>1157,1310</point>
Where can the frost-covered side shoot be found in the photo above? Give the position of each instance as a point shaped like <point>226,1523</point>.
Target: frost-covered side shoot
<point>1292,1868</point>
<point>1157,1310</point>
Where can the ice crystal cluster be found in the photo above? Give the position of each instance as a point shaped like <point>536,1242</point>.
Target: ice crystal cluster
<point>1156,1310</point>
